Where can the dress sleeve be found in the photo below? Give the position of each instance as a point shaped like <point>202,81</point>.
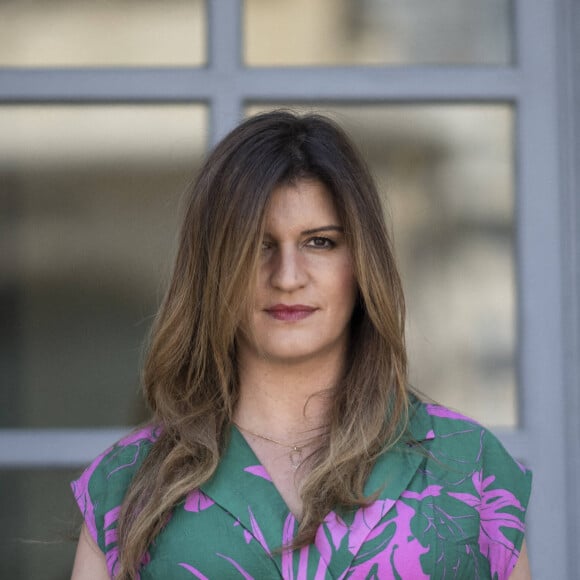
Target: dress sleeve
<point>504,487</point>
<point>100,489</point>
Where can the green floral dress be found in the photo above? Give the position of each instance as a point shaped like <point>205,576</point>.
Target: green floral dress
<point>451,504</point>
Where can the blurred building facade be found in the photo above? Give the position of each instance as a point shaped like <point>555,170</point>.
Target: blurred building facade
<point>465,112</point>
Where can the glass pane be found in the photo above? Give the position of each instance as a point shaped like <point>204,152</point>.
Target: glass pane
<point>377,32</point>
<point>448,178</point>
<point>38,524</point>
<point>88,216</point>
<point>88,33</point>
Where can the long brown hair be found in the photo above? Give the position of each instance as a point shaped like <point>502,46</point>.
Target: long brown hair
<point>190,378</point>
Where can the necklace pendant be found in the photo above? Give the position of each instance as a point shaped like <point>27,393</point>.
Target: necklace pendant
<point>295,458</point>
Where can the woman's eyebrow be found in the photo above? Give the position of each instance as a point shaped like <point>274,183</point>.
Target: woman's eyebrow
<point>323,229</point>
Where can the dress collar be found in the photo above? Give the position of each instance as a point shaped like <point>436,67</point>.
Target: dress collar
<point>242,487</point>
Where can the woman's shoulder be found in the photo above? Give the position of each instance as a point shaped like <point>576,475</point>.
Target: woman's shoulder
<point>100,489</point>
<point>123,457</point>
<point>457,443</point>
<point>434,415</point>
<point>471,489</point>
<point>429,420</point>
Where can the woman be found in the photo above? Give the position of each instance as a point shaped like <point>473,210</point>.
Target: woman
<point>285,442</point>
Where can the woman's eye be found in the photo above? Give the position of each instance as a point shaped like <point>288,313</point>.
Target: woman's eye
<point>321,243</point>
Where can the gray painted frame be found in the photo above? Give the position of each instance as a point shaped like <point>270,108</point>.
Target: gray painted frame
<point>544,86</point>
<point>540,284</point>
<point>569,125</point>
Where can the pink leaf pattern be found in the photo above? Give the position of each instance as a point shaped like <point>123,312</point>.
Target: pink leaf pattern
<point>443,412</point>
<point>337,528</point>
<point>193,571</point>
<point>258,471</point>
<point>287,556</point>
<point>257,532</point>
<point>453,505</point>
<point>197,501</point>
<point>400,556</point>
<point>242,572</point>
<point>491,504</point>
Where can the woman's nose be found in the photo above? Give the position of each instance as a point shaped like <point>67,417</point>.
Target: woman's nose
<point>288,269</point>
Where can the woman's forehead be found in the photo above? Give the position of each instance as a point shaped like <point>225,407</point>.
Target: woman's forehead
<point>301,203</point>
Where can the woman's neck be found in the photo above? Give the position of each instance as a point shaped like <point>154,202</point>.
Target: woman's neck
<point>289,401</point>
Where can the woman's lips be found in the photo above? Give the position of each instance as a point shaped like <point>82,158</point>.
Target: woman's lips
<point>290,313</point>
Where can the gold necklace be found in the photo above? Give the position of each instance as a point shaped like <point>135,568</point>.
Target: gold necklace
<point>295,454</point>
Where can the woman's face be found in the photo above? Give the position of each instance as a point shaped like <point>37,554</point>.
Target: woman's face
<point>306,289</point>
